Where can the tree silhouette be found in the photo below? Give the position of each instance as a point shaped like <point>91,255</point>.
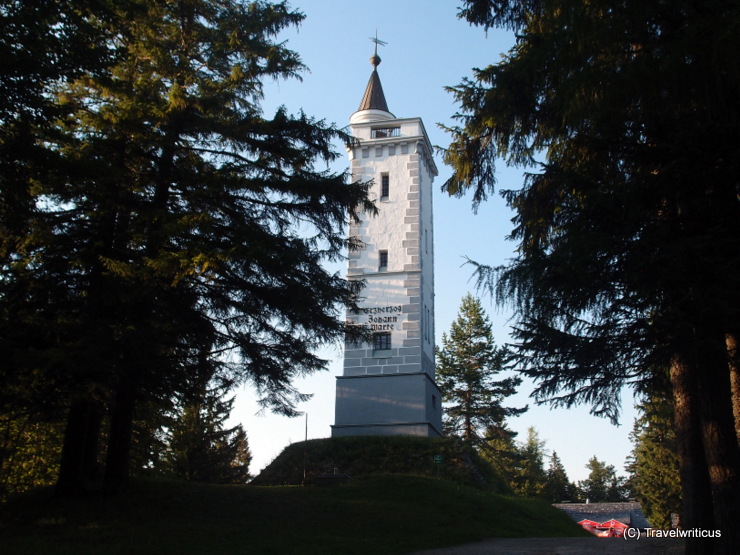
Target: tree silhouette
<point>627,223</point>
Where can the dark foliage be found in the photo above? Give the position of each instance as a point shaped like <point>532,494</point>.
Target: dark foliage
<point>628,223</point>
<point>151,213</point>
<point>655,467</point>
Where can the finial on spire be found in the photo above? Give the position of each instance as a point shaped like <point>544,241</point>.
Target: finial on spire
<point>375,60</point>
<point>373,106</point>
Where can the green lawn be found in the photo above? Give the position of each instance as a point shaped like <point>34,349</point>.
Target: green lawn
<point>372,514</point>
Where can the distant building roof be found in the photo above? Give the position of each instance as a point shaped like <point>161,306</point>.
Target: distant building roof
<point>627,512</point>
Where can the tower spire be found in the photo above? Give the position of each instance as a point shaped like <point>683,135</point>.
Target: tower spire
<point>374,98</point>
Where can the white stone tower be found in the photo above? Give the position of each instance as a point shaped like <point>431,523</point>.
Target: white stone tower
<point>388,387</point>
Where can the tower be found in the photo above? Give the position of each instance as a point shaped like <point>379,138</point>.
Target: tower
<point>387,386</point>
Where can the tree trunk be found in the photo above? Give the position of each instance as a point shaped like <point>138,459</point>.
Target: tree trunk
<point>734,364</point>
<point>720,440</point>
<point>695,486</point>
<point>468,415</point>
<point>78,467</point>
<point>119,441</point>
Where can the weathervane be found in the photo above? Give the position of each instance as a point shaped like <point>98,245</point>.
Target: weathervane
<point>375,60</point>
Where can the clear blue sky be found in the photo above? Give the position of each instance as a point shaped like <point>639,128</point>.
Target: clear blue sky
<point>428,49</point>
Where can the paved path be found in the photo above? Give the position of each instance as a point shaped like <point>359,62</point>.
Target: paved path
<point>565,546</point>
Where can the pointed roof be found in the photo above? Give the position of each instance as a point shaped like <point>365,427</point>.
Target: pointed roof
<point>374,99</point>
<point>373,106</point>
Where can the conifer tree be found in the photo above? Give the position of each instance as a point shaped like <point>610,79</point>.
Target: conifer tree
<point>602,483</point>
<point>627,221</point>
<point>500,449</point>
<point>467,366</point>
<point>531,479</point>
<point>521,464</point>
<point>42,45</point>
<point>557,486</point>
<point>654,466</point>
<point>170,220</point>
<point>198,445</point>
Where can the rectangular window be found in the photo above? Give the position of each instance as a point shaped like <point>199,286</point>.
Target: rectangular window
<point>381,341</point>
<point>385,185</point>
<point>383,260</point>
<point>383,132</point>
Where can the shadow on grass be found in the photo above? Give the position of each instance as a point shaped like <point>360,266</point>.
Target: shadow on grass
<point>372,514</point>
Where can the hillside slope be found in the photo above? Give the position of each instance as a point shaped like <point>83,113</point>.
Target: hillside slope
<point>369,515</point>
<point>363,456</point>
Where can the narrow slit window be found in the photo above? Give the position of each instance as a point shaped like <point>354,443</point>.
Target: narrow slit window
<point>385,185</point>
<point>424,323</point>
<point>429,326</point>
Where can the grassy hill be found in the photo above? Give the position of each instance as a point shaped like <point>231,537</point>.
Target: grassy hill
<point>395,503</point>
<point>363,456</point>
<point>371,514</point>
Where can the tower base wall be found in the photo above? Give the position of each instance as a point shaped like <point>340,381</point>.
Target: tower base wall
<point>388,404</point>
<point>421,429</point>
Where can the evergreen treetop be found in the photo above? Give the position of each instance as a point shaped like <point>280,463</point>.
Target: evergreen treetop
<point>602,483</point>
<point>467,366</point>
<point>558,487</point>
